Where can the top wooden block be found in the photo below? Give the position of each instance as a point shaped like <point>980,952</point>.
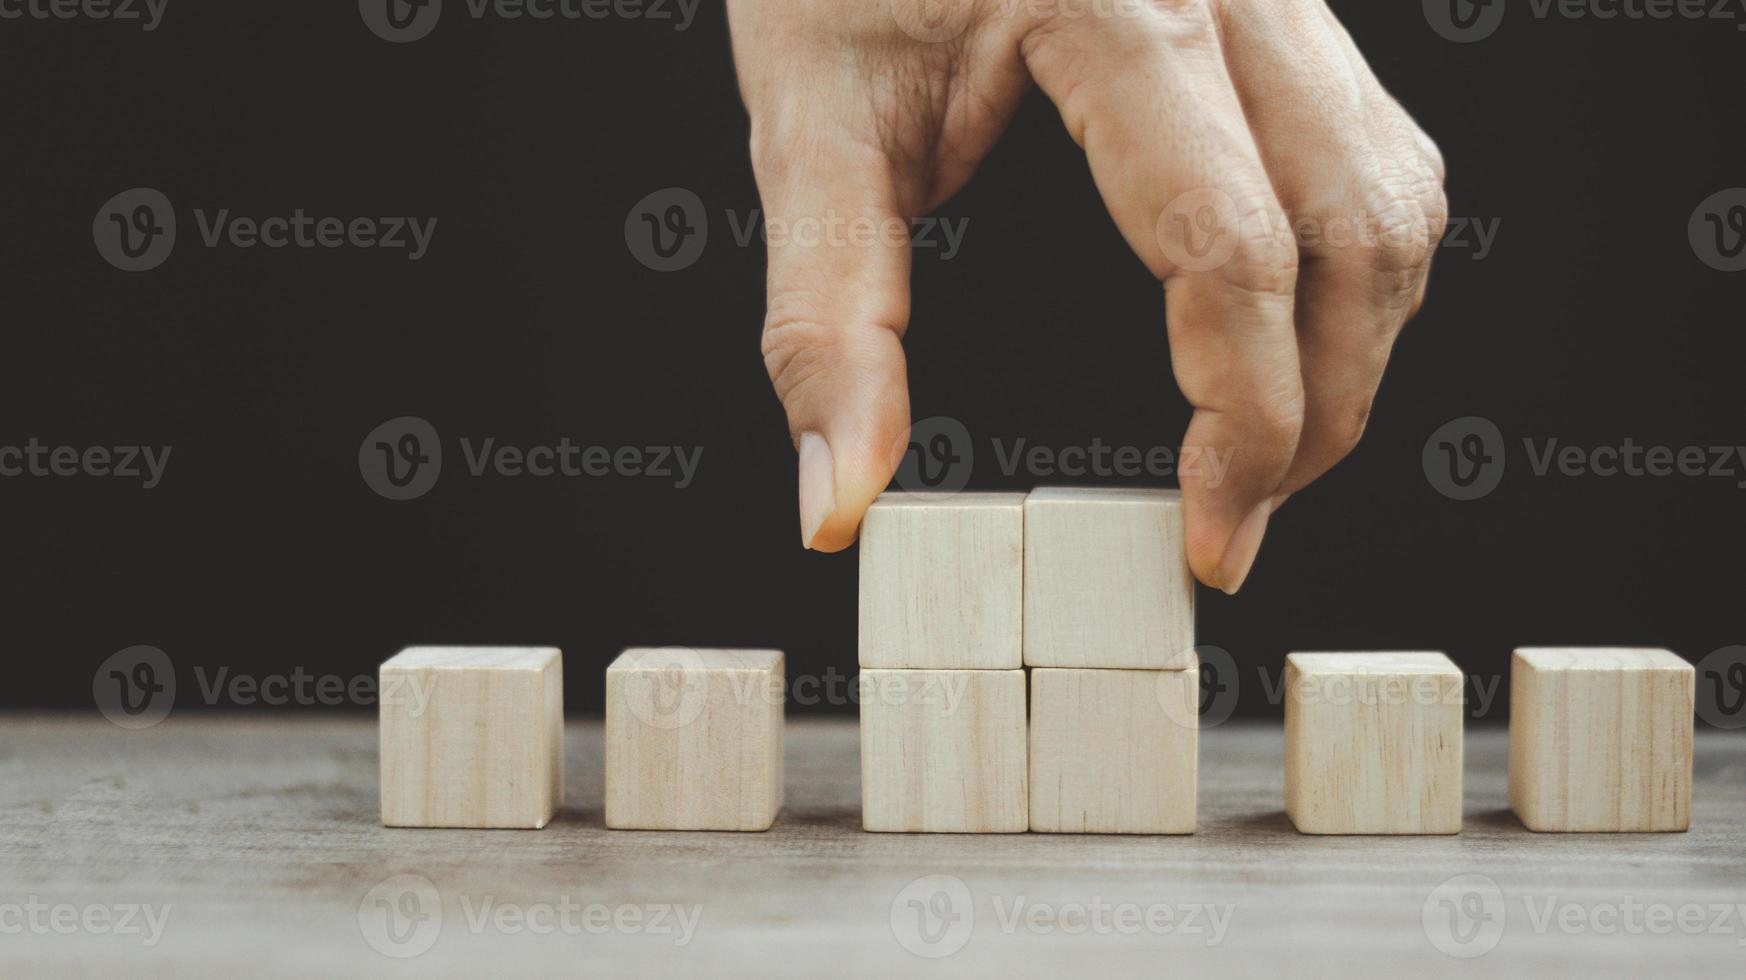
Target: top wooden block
<point>1106,579</point>
<point>942,581</point>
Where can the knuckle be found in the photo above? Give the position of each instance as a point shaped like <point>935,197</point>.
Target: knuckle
<point>797,348</point>
<point>1432,156</point>
<point>1185,18</point>
<point>765,153</point>
<point>1275,424</point>
<point>1435,200</point>
<point>1265,259</point>
<point>1143,30</point>
<point>1403,240</point>
<point>1345,425</point>
<point>1160,20</point>
<point>1190,8</point>
<point>805,343</point>
<point>773,123</point>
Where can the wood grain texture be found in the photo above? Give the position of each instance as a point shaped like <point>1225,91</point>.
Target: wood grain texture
<point>1106,579</point>
<point>1601,739</point>
<point>694,739</point>
<point>472,737</point>
<point>1373,743</point>
<point>943,751</point>
<point>942,581</point>
<point>259,834</point>
<point>1114,751</point>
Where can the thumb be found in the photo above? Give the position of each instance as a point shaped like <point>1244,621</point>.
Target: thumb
<point>839,254</point>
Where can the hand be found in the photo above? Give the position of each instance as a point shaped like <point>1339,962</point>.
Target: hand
<point>1248,155</point>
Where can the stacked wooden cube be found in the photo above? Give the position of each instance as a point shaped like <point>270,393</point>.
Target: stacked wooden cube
<point>942,685</point>
<point>1089,590</point>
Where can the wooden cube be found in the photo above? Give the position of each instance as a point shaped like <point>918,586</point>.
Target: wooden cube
<point>1373,743</point>
<point>942,581</point>
<point>943,751</point>
<point>1114,751</point>
<point>472,737</point>
<point>1106,579</point>
<point>1600,739</point>
<point>694,739</point>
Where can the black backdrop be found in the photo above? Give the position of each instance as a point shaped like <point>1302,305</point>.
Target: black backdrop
<point>1586,144</point>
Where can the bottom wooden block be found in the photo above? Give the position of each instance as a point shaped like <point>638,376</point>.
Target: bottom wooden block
<point>1114,751</point>
<point>1373,743</point>
<point>943,751</point>
<point>1601,740</point>
<point>472,737</point>
<point>694,739</point>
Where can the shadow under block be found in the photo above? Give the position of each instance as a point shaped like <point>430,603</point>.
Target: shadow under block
<point>1601,740</point>
<point>1106,580</point>
<point>942,581</point>
<point>943,751</point>
<point>1114,751</point>
<point>1373,743</point>
<point>694,739</point>
<point>472,737</point>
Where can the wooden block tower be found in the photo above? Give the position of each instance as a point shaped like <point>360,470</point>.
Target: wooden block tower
<point>942,686</point>
<point>1115,682</point>
<point>1601,739</point>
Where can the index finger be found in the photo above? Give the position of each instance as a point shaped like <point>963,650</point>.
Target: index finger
<point>1151,102</point>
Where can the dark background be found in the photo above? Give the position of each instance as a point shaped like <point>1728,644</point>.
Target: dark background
<point>1592,320</point>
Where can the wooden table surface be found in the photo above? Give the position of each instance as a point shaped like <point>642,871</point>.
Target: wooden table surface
<point>235,846</point>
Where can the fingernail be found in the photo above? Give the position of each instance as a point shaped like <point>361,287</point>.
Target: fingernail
<point>1244,545</point>
<point>818,485</point>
